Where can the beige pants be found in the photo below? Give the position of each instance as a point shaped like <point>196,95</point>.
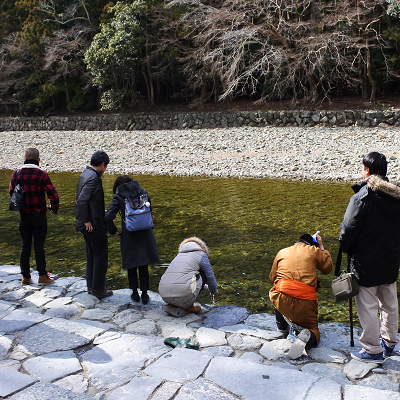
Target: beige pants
<point>369,302</point>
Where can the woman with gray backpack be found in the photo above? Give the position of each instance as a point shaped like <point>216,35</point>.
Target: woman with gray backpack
<point>138,245</point>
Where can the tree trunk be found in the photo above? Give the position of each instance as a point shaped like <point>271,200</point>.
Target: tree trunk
<point>66,89</point>
<point>151,86</point>
<point>203,94</point>
<point>371,80</point>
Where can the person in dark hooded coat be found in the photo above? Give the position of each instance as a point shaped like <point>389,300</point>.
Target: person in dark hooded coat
<point>138,248</point>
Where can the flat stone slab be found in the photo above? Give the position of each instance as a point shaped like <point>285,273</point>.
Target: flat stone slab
<point>10,270</point>
<point>65,312</point>
<point>255,381</point>
<point>251,356</point>
<point>224,316</point>
<point>352,392</point>
<point>142,387</point>
<point>166,391</point>
<point>115,362</point>
<point>253,331</point>
<point>13,364</point>
<point>5,346</point>
<point>358,369</point>
<point>142,327</point>
<point>68,281</point>
<point>97,314</point>
<point>176,329</point>
<point>5,308</point>
<point>85,300</point>
<point>219,351</point>
<point>61,301</point>
<point>179,365</point>
<point>74,383</point>
<point>78,287</point>
<point>11,381</point>
<point>10,286</point>
<point>210,337</point>
<point>337,336</point>
<point>244,342</point>
<point>379,381</point>
<point>102,325</point>
<point>262,321</point>
<point>127,317</point>
<point>327,371</point>
<point>48,391</point>
<point>200,389</point>
<point>392,364</point>
<point>52,366</point>
<point>55,335</point>
<point>121,297</point>
<point>275,349</point>
<point>19,320</point>
<point>18,294</point>
<point>158,315</point>
<point>325,354</point>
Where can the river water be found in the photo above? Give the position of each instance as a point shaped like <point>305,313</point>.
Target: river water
<point>244,221</point>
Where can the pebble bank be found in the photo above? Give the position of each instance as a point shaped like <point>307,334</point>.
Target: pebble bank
<point>59,342</point>
<point>273,152</point>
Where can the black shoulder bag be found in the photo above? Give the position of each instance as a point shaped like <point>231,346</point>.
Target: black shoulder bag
<point>345,285</point>
<point>17,202</point>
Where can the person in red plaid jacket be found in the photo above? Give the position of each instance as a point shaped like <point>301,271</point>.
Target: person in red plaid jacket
<point>32,218</point>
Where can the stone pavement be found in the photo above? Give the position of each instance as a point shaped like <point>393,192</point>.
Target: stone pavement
<point>58,342</point>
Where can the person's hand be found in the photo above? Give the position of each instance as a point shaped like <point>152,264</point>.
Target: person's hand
<point>117,234</point>
<point>89,226</point>
<point>216,293</point>
<point>319,240</point>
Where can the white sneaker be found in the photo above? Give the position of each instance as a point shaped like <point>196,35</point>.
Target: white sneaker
<point>297,348</point>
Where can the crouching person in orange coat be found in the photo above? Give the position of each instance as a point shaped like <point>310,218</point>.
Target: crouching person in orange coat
<point>294,294</point>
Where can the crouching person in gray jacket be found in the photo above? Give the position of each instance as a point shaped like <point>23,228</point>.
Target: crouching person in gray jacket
<point>189,272</point>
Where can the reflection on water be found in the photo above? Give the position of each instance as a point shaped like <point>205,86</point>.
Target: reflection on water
<point>244,221</point>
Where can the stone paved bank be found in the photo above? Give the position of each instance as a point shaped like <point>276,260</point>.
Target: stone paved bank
<point>58,342</point>
<point>202,120</point>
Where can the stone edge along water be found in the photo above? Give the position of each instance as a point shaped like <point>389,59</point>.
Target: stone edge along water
<point>60,342</point>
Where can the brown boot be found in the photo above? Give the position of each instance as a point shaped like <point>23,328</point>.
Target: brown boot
<point>25,281</point>
<point>100,294</point>
<point>193,309</point>
<point>45,279</point>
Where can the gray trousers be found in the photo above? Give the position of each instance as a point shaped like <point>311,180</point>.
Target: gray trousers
<point>369,302</point>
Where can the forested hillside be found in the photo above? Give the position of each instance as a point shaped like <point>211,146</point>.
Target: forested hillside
<point>85,55</point>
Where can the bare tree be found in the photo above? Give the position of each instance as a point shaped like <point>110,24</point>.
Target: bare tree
<point>281,47</point>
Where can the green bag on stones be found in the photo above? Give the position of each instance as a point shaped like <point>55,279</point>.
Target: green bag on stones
<point>178,342</point>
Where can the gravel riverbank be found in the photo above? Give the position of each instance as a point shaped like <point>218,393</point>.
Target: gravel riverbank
<point>273,152</point>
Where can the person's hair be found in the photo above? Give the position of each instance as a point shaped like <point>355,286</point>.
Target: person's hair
<point>308,239</point>
<point>120,181</point>
<point>98,158</point>
<point>376,163</point>
<point>32,154</point>
<point>202,243</point>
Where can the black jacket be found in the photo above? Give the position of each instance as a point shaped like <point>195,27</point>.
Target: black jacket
<point>90,200</point>
<point>137,248</point>
<point>370,231</point>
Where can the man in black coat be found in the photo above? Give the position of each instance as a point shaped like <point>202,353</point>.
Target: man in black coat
<point>370,235</point>
<point>90,221</point>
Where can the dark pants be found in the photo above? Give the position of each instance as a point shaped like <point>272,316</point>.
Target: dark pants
<point>33,225</point>
<point>96,258</point>
<point>143,276</point>
<point>282,326</point>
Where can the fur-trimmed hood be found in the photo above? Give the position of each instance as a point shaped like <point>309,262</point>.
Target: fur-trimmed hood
<point>193,240</point>
<point>377,184</point>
